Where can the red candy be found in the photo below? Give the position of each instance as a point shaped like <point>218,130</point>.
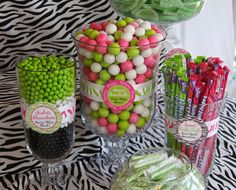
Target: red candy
<point>95,26</point>
<point>149,73</point>
<point>143,43</point>
<point>133,118</point>
<point>92,76</point>
<point>140,79</point>
<point>101,38</point>
<point>150,62</point>
<point>102,121</point>
<point>126,66</point>
<point>83,41</point>
<point>112,128</point>
<point>101,48</point>
<point>91,46</point>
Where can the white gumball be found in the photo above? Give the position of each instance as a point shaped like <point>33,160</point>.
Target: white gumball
<point>94,105</point>
<point>139,108</point>
<point>132,82</point>
<point>139,21</point>
<point>130,29</point>
<point>147,102</point>
<point>126,36</point>
<point>79,36</point>
<point>141,69</point>
<point>110,38</point>
<point>108,58</point>
<point>114,69</point>
<point>147,52</point>
<point>159,36</point>
<point>111,28</point>
<point>146,25</point>
<point>103,130</point>
<point>138,60</point>
<point>139,31</point>
<point>121,57</point>
<point>95,67</point>
<point>131,129</point>
<point>145,112</point>
<point>88,54</point>
<point>131,74</point>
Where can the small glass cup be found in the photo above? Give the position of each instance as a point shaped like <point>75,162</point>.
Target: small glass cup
<point>158,169</point>
<point>47,95</point>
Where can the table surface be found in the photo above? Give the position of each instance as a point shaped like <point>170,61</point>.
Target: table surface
<point>28,27</point>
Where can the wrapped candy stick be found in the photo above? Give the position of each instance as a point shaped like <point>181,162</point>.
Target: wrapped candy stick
<point>193,81</point>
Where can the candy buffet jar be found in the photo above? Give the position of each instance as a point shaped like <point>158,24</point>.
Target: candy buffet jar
<point>117,80</point>
<point>159,11</point>
<point>158,169</point>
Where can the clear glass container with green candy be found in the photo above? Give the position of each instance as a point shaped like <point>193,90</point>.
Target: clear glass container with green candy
<point>47,96</point>
<point>158,169</point>
<point>159,11</point>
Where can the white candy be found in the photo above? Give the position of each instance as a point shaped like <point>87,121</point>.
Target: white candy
<point>114,69</point>
<point>138,60</point>
<point>139,31</point>
<point>146,25</point>
<point>82,51</point>
<point>108,58</point>
<point>139,109</point>
<point>79,36</point>
<point>126,36</point>
<point>131,74</point>
<point>130,29</point>
<point>94,105</point>
<point>156,50</point>
<point>111,28</point>
<point>103,130</point>
<point>88,54</point>
<point>110,38</point>
<point>141,69</point>
<point>131,129</point>
<point>87,110</point>
<point>96,67</point>
<point>139,21</point>
<point>132,82</point>
<point>147,102</point>
<point>159,36</point>
<point>147,52</point>
<point>121,57</point>
<point>145,112</point>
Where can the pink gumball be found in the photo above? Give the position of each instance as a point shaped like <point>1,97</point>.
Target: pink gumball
<point>91,45</point>
<point>153,40</point>
<point>133,118</point>
<point>92,76</point>
<point>83,41</point>
<point>95,26</point>
<point>140,79</point>
<point>112,128</point>
<point>149,73</point>
<point>150,62</point>
<point>102,121</point>
<point>134,24</point>
<point>104,25</point>
<point>154,27</point>
<point>126,66</point>
<point>86,70</point>
<point>143,43</point>
<point>101,38</point>
<point>101,47</point>
<point>123,44</point>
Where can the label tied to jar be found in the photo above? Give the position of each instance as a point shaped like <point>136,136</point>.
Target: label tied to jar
<point>118,94</point>
<point>94,91</point>
<point>43,118</point>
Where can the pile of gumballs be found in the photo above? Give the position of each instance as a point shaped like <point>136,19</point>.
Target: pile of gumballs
<point>126,50</point>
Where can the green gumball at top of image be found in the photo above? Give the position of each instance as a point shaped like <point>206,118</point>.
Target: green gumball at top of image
<point>46,78</point>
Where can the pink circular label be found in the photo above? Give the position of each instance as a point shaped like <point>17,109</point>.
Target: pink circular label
<point>118,94</point>
<point>43,117</point>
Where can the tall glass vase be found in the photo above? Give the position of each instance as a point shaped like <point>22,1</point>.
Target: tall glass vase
<point>47,95</point>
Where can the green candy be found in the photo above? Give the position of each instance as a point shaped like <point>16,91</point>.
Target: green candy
<point>94,114</point>
<point>104,75</point>
<point>120,133</point>
<point>120,76</point>
<point>103,112</point>
<point>123,125</point>
<point>117,35</point>
<point>124,115</point>
<point>132,52</point>
<point>141,122</point>
<point>87,62</point>
<point>93,34</point>
<point>97,57</point>
<point>114,49</point>
<point>121,23</point>
<point>113,118</point>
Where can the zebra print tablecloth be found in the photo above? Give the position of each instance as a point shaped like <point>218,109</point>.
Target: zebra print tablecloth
<point>46,25</point>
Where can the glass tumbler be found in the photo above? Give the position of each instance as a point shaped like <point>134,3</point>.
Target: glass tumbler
<point>47,95</point>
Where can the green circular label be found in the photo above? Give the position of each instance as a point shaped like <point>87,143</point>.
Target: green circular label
<point>118,95</point>
<point>43,117</point>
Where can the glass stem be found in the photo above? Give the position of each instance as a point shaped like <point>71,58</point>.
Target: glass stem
<point>52,175</point>
<point>116,151</point>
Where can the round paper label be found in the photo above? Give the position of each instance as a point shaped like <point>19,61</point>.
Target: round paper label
<point>190,131</point>
<point>118,94</point>
<point>43,118</point>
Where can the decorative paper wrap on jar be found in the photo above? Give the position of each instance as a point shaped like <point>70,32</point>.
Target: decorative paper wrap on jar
<point>118,67</point>
<point>193,104</point>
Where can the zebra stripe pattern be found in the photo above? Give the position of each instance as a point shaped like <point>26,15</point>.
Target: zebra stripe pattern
<point>46,26</point>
